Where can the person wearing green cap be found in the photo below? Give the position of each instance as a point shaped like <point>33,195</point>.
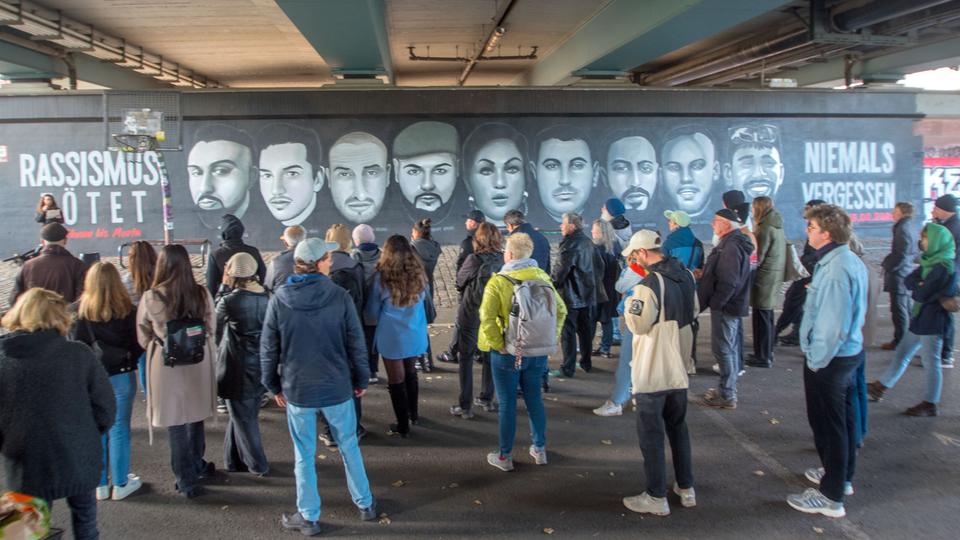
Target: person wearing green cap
<point>929,282</point>
<point>681,243</point>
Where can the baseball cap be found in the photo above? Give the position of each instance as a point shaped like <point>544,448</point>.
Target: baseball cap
<point>642,239</point>
<point>475,215</point>
<point>679,217</point>
<point>53,232</point>
<point>312,250</point>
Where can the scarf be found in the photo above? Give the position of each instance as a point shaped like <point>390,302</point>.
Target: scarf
<point>941,249</point>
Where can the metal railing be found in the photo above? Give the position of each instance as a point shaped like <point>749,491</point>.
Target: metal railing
<point>204,249</point>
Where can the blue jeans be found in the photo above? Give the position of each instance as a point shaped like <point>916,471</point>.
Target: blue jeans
<point>727,349</point>
<point>116,442</point>
<point>506,378</point>
<point>606,335</point>
<point>142,373</point>
<point>621,379</point>
<point>932,346</point>
<point>342,418</point>
<point>616,329</point>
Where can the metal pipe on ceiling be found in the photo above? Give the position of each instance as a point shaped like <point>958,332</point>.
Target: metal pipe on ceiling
<point>881,11</point>
<point>810,53</point>
<point>495,34</point>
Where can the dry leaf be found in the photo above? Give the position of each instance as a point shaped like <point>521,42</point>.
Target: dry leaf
<point>429,378</point>
<point>547,530</point>
<point>774,421</point>
<point>478,502</point>
<point>439,377</point>
<point>764,412</point>
<point>759,473</point>
<point>384,520</point>
<point>552,398</point>
<point>607,442</point>
<point>818,530</point>
<point>559,380</point>
<point>454,485</point>
<point>611,474</point>
<point>321,456</point>
<point>225,507</point>
<point>399,483</point>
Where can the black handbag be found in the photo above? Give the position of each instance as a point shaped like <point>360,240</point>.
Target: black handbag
<point>185,341</point>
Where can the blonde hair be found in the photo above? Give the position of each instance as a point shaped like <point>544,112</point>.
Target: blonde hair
<point>339,233</point>
<point>38,309</point>
<point>104,297</point>
<point>520,245</point>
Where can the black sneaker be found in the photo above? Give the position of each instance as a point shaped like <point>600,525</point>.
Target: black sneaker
<point>207,470</point>
<point>296,522</point>
<point>369,513</point>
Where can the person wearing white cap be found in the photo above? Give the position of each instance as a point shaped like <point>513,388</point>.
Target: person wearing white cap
<point>660,314</point>
<point>312,328</point>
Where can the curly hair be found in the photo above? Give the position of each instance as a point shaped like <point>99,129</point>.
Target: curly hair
<point>401,272</point>
<point>832,219</point>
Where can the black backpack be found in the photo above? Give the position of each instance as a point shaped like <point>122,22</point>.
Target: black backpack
<point>185,341</point>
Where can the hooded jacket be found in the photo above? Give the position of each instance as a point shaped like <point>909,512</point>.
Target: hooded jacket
<point>684,246</point>
<point>771,260</point>
<point>622,231</point>
<point>240,315</point>
<point>55,269</point>
<point>898,263</point>
<point>368,255</point>
<point>541,246</point>
<point>725,284</point>
<point>232,234</point>
<point>55,403</point>
<point>498,299</point>
<point>312,332</point>
<point>574,275</point>
<point>472,278</point>
<point>348,274</point>
<point>279,269</point>
<point>429,252</point>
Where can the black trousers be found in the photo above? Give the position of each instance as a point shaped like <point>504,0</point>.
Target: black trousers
<point>373,358</point>
<point>763,335</point>
<point>659,413</point>
<point>467,345</point>
<point>454,348</point>
<point>831,412</point>
<point>83,515</point>
<point>577,328</point>
<point>900,313</point>
<point>242,445</point>
<point>187,445</point>
<point>793,302</point>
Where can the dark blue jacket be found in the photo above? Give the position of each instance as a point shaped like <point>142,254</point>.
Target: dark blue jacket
<point>684,246</point>
<point>312,331</point>
<point>932,319</point>
<point>541,246</point>
<point>953,225</point>
<point>898,263</point>
<point>725,285</point>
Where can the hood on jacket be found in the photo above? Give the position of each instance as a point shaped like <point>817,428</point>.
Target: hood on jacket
<point>737,239</point>
<point>672,269</point>
<point>231,228</point>
<point>771,218</point>
<point>21,344</point>
<point>519,264</point>
<point>307,292</point>
<point>682,237</point>
<point>620,222</point>
<point>340,260</point>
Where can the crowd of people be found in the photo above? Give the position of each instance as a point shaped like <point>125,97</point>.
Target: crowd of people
<point>309,329</point>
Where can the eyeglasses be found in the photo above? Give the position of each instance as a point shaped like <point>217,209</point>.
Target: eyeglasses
<point>755,134</point>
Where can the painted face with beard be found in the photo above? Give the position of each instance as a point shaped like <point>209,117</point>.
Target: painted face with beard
<point>220,176</point>
<point>359,174</point>
<point>755,170</point>
<point>632,171</point>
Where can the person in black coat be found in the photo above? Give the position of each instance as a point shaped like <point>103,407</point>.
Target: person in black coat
<point>796,294</point>
<point>474,219</point>
<point>606,311</point>
<point>945,213</point>
<point>516,223</point>
<point>896,266</point>
<point>429,251</point>
<point>231,230</point>
<point>45,376</point>
<point>575,279</point>
<point>281,266</point>
<point>479,266</point>
<point>240,314</point>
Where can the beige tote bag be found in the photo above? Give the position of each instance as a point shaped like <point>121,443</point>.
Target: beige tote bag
<point>657,362</point>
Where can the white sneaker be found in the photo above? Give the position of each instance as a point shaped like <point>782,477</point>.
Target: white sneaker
<point>688,497</point>
<point>539,455</point>
<point>103,493</point>
<point>645,504</point>
<point>505,464</point>
<point>812,501</point>
<point>122,492</point>
<point>716,368</point>
<point>608,408</point>
<point>741,373</point>
<point>815,475</point>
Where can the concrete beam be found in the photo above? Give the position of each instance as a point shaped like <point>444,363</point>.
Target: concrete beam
<point>351,37</point>
<point>629,33</point>
<point>943,53</point>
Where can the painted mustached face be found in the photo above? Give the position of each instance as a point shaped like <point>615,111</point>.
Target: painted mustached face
<point>427,180</point>
<point>632,171</point>
<point>219,174</point>
<point>565,175</point>
<point>288,182</point>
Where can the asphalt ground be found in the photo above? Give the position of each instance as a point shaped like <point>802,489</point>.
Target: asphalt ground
<point>437,483</point>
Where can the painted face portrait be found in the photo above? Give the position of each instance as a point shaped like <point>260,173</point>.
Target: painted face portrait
<point>427,181</point>
<point>632,171</point>
<point>689,171</point>
<point>288,183</point>
<point>755,166</point>
<point>497,178</point>
<point>219,176</point>
<point>565,175</point>
<point>359,175</point>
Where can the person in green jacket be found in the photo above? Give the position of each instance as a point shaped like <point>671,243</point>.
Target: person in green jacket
<point>767,280</point>
<point>494,315</point>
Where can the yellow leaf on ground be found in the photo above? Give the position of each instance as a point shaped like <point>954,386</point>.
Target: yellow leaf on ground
<point>607,442</point>
<point>547,530</point>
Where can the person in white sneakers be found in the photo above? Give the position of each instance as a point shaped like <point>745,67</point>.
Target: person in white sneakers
<point>660,314</point>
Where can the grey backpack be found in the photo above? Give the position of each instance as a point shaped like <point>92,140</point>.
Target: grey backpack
<point>532,326</point>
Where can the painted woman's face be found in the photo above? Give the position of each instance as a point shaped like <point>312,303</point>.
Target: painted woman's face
<point>497,178</point>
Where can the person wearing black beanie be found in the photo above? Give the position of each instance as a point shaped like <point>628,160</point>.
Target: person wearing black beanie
<point>945,213</point>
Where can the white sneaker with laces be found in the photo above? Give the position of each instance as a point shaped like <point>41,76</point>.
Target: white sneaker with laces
<point>103,493</point>
<point>122,492</point>
<point>539,455</point>
<point>688,497</point>
<point>608,408</point>
<point>645,504</point>
<point>505,464</point>
<point>815,475</point>
<point>812,501</point>
<point>716,368</point>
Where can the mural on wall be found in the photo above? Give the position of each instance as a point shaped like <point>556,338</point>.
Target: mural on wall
<point>391,172</point>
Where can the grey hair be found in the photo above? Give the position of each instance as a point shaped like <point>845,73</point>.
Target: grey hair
<point>514,217</point>
<point>294,235</point>
<point>574,219</point>
<point>606,234</point>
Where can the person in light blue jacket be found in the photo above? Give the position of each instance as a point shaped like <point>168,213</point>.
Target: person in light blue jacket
<point>399,306</point>
<point>832,341</point>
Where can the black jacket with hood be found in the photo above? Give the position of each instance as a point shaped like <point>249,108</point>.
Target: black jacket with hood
<point>240,315</point>
<point>901,259</point>
<point>429,252</point>
<point>725,285</point>
<point>471,280</point>
<point>347,272</point>
<point>232,234</point>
